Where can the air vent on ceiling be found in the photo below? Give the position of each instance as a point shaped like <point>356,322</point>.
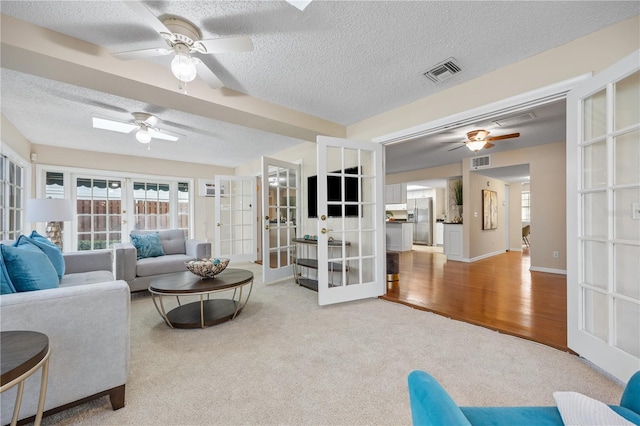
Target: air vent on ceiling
<point>480,162</point>
<point>443,71</point>
<point>515,119</point>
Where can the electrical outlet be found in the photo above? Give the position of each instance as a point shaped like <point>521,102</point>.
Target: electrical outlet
<point>556,254</point>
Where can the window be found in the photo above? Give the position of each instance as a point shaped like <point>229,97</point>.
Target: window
<point>109,205</point>
<point>12,198</point>
<point>526,206</point>
<point>183,207</point>
<point>98,204</point>
<point>151,205</point>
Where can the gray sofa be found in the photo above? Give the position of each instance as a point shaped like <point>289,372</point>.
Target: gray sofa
<point>140,272</point>
<point>87,322</point>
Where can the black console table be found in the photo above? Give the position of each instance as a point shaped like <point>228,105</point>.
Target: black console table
<point>306,262</point>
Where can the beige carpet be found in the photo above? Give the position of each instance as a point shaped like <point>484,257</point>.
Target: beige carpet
<point>286,361</point>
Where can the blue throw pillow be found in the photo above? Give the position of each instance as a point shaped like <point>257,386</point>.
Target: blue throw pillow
<point>29,268</point>
<point>52,251</point>
<point>5,280</point>
<point>147,245</point>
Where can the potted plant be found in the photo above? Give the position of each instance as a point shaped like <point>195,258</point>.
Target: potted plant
<point>456,190</point>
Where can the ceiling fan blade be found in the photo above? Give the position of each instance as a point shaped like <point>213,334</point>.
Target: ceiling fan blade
<point>141,54</point>
<point>207,75</point>
<point>113,125</point>
<point>151,121</point>
<point>488,145</point>
<point>457,147</point>
<point>230,44</point>
<point>299,4</point>
<point>147,16</point>
<point>497,138</point>
<point>164,134</point>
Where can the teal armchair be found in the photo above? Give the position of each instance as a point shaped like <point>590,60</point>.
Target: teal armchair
<point>432,405</point>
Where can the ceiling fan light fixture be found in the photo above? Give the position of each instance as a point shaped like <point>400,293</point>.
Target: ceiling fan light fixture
<point>183,67</point>
<point>143,135</point>
<point>482,135</point>
<point>476,146</point>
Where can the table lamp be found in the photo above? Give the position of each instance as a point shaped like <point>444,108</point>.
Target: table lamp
<point>54,211</point>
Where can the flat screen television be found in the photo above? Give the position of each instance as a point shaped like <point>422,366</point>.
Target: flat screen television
<point>334,193</point>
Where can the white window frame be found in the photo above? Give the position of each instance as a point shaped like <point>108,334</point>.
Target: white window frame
<point>127,178</point>
<point>26,185</point>
<point>523,207</point>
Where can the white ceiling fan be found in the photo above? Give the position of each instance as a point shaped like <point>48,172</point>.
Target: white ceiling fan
<point>184,39</point>
<point>144,124</point>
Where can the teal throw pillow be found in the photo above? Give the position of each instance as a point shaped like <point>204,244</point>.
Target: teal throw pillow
<point>37,237</point>
<point>52,251</point>
<point>29,268</point>
<point>147,245</point>
<point>5,280</point>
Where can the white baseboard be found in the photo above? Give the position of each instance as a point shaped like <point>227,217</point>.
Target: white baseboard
<point>484,256</point>
<point>516,249</point>
<point>548,270</point>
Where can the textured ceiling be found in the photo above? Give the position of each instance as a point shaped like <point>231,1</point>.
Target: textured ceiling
<point>341,61</point>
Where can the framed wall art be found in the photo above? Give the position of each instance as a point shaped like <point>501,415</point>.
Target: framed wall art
<point>489,209</point>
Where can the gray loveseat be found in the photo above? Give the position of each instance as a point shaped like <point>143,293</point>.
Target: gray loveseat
<point>87,322</point>
<point>140,272</point>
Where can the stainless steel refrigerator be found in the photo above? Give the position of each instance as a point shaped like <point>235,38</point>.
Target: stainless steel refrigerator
<point>419,211</point>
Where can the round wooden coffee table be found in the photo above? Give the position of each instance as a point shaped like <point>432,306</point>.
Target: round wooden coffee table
<point>206,311</point>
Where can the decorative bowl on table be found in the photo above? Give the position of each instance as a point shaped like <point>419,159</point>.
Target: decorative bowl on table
<point>208,267</point>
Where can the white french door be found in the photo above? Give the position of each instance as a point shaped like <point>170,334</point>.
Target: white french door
<point>280,198</point>
<point>351,228</point>
<point>603,218</point>
<point>236,212</point>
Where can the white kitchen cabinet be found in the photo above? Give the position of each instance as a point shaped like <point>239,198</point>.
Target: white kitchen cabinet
<point>453,241</point>
<point>399,236</point>
<point>396,194</point>
<point>439,233</point>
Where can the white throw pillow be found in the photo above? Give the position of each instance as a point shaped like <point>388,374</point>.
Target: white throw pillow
<point>580,410</point>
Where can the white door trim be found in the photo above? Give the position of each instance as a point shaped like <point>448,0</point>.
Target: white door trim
<point>513,104</point>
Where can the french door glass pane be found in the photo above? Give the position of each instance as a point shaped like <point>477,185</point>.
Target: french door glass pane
<point>626,227</point>
<point>627,270</point>
<point>627,336</point>
<point>152,203</point>
<point>627,158</point>
<point>595,116</point>
<point>98,205</point>
<point>595,165</point>
<point>595,214</point>
<point>596,314</point>
<point>596,271</point>
<point>627,99</point>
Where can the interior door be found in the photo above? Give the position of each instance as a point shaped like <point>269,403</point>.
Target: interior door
<point>235,210</point>
<point>280,198</point>
<point>351,228</point>
<point>603,218</point>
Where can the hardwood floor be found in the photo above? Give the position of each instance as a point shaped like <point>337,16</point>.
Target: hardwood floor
<point>499,293</point>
